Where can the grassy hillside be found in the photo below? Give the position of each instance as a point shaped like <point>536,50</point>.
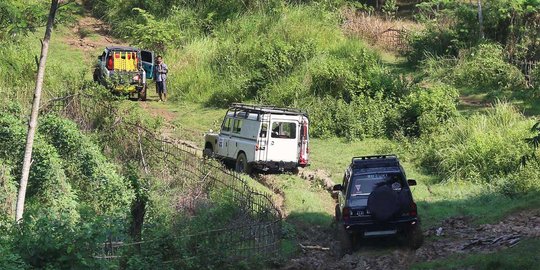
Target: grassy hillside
<point>425,106</point>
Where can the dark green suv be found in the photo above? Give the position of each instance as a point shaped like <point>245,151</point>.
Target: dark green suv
<point>375,200</point>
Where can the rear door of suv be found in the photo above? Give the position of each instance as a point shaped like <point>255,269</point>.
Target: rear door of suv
<point>283,140</point>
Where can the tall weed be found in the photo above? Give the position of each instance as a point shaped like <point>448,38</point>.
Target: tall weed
<point>484,148</point>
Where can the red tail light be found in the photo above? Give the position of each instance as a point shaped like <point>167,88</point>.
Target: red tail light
<point>256,147</point>
<point>346,214</point>
<point>412,211</point>
<point>110,65</point>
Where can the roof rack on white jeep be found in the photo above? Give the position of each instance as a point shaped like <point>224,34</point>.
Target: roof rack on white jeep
<point>240,107</point>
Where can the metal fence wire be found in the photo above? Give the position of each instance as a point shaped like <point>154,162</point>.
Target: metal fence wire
<point>254,230</point>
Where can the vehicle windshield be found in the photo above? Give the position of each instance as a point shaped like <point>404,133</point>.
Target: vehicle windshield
<point>364,184</point>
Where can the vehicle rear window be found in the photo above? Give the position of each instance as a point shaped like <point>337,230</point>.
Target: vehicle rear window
<point>284,130</point>
<point>364,184</point>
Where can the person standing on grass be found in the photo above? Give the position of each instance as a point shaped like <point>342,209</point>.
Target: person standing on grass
<point>160,75</point>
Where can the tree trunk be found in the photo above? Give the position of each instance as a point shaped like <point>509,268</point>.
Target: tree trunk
<point>480,20</point>
<point>27,161</point>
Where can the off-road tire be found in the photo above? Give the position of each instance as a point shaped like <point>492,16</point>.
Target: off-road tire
<point>208,152</point>
<point>414,238</point>
<point>142,93</point>
<point>345,240</point>
<point>95,75</point>
<point>242,165</point>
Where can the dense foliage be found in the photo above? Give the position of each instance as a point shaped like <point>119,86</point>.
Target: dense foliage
<point>74,192</point>
<point>485,148</point>
<point>478,70</point>
<point>453,25</point>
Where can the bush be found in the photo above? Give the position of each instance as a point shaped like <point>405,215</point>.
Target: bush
<point>363,117</point>
<point>485,69</point>
<point>479,70</point>
<point>426,109</point>
<point>522,181</point>
<point>99,186</point>
<point>481,148</point>
<point>433,41</point>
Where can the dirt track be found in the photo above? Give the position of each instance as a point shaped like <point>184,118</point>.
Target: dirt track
<point>457,236</point>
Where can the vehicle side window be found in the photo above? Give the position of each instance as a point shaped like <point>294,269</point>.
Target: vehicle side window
<point>237,126</point>
<point>284,130</point>
<point>226,126</point>
<point>345,183</point>
<point>264,130</point>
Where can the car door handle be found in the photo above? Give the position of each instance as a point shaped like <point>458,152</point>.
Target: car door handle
<point>272,143</point>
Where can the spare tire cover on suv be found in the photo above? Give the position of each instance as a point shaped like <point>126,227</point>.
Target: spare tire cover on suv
<point>383,203</point>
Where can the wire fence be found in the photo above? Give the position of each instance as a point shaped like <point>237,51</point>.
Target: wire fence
<point>253,229</point>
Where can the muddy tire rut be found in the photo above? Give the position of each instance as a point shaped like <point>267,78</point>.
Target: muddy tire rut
<point>457,235</point>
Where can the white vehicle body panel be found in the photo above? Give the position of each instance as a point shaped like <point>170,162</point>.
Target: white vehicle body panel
<point>264,137</point>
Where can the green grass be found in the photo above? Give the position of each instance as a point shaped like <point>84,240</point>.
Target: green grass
<point>67,66</point>
<point>522,256</point>
<point>304,202</point>
<point>190,120</point>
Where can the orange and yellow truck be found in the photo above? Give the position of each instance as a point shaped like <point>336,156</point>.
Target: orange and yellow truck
<point>125,70</point>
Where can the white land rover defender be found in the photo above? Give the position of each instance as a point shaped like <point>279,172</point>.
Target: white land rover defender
<point>261,137</point>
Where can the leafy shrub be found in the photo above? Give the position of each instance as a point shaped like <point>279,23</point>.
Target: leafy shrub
<point>481,148</point>
<point>485,69</point>
<point>150,33</point>
<point>48,241</point>
<point>479,70</point>
<point>523,180</point>
<point>363,117</point>
<point>425,109</point>
<point>10,259</point>
<point>18,19</point>
<point>433,41</point>
<point>100,187</point>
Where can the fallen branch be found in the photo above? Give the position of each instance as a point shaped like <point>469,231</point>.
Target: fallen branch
<point>317,247</point>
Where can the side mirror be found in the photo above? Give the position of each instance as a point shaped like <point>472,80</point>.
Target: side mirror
<point>337,187</point>
<point>411,182</point>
